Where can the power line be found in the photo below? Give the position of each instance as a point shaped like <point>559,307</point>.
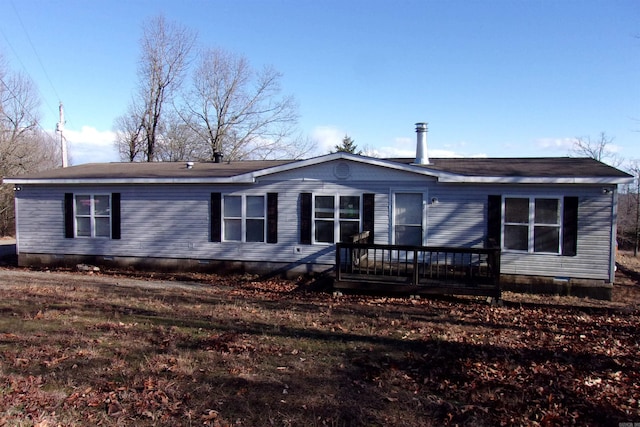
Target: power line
<point>30,115</point>
<point>15,53</point>
<point>34,50</point>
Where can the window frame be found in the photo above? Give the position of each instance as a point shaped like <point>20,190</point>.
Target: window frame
<point>243,218</point>
<point>531,224</point>
<point>336,219</point>
<point>92,215</point>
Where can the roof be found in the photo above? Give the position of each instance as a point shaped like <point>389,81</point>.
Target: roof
<point>478,170</point>
<point>523,167</point>
<point>152,170</point>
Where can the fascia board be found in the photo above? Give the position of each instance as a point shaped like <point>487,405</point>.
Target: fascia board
<point>110,181</point>
<point>533,180</point>
<point>250,179</point>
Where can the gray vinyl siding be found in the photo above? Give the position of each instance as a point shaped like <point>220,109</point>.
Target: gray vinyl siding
<point>173,221</point>
<point>333,171</point>
<point>460,219</point>
<point>593,259</point>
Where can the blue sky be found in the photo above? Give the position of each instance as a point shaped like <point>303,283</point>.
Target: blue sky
<point>492,78</point>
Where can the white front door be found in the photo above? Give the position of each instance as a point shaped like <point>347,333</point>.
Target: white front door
<point>408,220</point>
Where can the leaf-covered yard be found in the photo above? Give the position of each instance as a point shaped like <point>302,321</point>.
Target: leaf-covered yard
<point>106,349</point>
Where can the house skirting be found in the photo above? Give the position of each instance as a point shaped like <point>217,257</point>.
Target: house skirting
<point>591,288</point>
<point>565,286</point>
<point>264,268</point>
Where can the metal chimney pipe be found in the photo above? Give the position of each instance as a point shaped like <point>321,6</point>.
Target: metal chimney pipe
<point>422,157</point>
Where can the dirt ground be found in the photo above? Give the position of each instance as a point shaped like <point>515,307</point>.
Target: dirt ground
<point>113,349</point>
<point>626,289</point>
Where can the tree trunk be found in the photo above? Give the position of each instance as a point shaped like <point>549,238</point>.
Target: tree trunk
<point>637,234</point>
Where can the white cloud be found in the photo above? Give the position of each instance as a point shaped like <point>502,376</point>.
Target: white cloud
<point>555,144</point>
<point>566,145</point>
<point>404,147</point>
<point>90,145</point>
<point>327,137</point>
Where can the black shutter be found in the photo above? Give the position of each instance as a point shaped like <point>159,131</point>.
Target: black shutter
<point>305,218</point>
<point>368,214</point>
<point>216,217</point>
<point>115,216</point>
<point>494,221</point>
<point>570,227</point>
<point>68,216</point>
<point>272,217</point>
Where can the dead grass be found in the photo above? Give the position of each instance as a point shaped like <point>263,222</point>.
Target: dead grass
<point>204,350</point>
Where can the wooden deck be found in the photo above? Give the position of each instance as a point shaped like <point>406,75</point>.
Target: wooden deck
<point>417,270</point>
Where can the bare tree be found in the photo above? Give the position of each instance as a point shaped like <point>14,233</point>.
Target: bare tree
<point>128,132</point>
<point>629,211</point>
<point>239,112</point>
<point>635,169</point>
<point>230,109</point>
<point>24,146</point>
<point>179,141</point>
<point>599,149</point>
<point>165,48</point>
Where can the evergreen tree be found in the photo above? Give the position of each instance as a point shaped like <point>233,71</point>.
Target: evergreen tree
<point>348,146</point>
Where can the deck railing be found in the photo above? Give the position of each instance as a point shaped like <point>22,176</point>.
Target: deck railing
<point>420,269</point>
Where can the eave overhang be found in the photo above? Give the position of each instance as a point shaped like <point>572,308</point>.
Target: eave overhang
<point>253,176</point>
<point>535,180</point>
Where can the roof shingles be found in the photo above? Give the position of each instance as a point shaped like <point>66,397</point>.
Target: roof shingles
<point>553,167</point>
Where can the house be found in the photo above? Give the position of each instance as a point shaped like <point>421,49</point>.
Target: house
<point>554,219</point>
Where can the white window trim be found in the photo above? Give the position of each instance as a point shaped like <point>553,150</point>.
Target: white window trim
<point>531,224</point>
<point>243,217</point>
<point>92,216</point>
<point>336,215</point>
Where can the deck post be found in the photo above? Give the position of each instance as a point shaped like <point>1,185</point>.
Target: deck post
<point>338,263</point>
<point>416,273</point>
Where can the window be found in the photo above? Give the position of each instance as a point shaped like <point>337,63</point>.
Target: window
<point>244,218</point>
<point>92,215</point>
<point>336,216</point>
<point>532,224</point>
<point>255,219</point>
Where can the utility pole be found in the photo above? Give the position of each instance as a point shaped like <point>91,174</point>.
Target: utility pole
<point>63,142</point>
